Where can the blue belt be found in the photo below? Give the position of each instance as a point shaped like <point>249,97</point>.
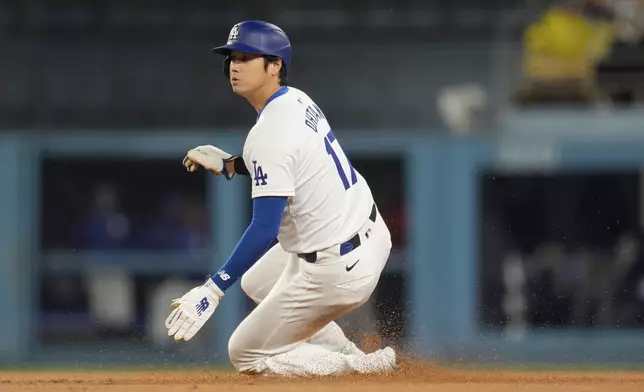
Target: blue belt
<point>345,247</point>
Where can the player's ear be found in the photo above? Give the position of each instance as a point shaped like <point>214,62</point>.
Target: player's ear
<point>276,66</point>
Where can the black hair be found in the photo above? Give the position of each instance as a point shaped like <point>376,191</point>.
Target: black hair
<point>283,77</point>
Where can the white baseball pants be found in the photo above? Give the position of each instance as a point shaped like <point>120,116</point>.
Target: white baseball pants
<point>292,330</point>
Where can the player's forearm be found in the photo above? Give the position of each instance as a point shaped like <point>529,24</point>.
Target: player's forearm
<point>255,241</point>
<point>267,213</point>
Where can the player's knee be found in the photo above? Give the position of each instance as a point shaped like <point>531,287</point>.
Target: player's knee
<point>248,286</point>
<point>236,353</point>
<point>254,288</point>
<point>240,356</point>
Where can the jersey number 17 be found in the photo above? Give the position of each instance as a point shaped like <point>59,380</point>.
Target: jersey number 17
<point>328,142</point>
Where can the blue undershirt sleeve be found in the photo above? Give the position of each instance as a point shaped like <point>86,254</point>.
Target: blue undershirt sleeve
<point>263,228</point>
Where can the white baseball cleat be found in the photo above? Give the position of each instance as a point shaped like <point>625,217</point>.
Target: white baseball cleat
<point>388,358</point>
<point>352,349</point>
<point>380,361</point>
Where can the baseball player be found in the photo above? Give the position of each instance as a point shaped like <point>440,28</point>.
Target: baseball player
<point>332,242</point>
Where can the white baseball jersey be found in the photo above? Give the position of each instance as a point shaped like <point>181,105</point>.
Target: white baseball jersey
<point>292,151</point>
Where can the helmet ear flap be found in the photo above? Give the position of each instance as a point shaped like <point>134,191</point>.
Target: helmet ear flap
<point>227,61</point>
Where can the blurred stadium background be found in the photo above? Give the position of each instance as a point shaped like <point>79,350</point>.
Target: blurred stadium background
<point>504,141</point>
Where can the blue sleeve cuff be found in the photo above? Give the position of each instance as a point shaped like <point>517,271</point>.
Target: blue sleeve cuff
<point>258,237</point>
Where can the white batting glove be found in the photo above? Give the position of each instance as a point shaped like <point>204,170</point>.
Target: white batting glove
<point>193,310</point>
<point>210,157</point>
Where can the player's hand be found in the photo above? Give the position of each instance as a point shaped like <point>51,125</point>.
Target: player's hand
<point>191,311</point>
<point>210,157</point>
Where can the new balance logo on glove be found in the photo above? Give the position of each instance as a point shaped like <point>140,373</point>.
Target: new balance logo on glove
<point>202,306</point>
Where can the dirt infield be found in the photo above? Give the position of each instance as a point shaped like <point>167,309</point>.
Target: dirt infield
<point>411,376</point>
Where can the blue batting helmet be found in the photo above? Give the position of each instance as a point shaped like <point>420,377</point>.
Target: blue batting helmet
<point>257,37</point>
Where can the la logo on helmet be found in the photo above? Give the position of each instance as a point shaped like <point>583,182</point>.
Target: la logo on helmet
<point>234,33</point>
